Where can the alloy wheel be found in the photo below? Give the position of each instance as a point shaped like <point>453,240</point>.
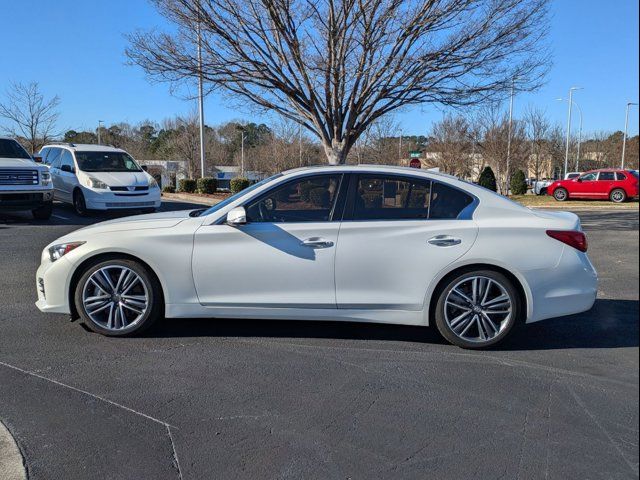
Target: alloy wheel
<point>477,309</point>
<point>115,298</point>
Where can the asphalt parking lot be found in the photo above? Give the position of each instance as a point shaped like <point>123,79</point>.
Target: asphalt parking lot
<point>198,399</point>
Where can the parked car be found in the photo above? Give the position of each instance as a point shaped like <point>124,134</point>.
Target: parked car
<point>616,185</point>
<point>353,243</point>
<point>24,185</point>
<point>97,177</point>
<point>541,187</point>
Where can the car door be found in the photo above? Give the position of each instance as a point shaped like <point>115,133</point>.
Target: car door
<point>584,186</point>
<point>66,174</point>
<point>284,256</point>
<point>605,183</point>
<point>398,233</point>
<point>53,159</point>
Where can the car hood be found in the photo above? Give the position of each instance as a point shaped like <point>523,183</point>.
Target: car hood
<point>121,179</point>
<point>18,163</point>
<point>136,222</point>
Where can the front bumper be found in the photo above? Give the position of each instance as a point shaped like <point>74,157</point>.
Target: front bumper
<point>24,200</point>
<point>569,288</point>
<point>117,201</point>
<point>52,284</point>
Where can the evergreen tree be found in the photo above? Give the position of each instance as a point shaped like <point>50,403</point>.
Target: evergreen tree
<point>518,183</point>
<point>488,179</point>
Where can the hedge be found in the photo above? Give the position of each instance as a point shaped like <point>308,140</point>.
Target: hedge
<point>206,185</point>
<point>238,184</point>
<point>187,185</point>
<point>169,189</point>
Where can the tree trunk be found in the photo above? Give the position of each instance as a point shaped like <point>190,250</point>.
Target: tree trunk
<point>336,152</point>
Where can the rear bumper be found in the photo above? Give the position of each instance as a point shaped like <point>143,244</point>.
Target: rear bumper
<point>569,288</point>
<point>25,200</point>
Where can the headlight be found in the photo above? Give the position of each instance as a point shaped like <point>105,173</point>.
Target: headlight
<point>45,178</point>
<point>95,183</point>
<point>58,251</point>
<point>153,183</point>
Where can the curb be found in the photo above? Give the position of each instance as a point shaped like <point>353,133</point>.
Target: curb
<point>11,463</point>
<point>190,198</point>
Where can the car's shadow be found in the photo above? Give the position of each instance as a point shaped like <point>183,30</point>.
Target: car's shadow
<point>610,324</point>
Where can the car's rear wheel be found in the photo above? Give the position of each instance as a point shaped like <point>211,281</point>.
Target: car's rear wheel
<point>118,297</point>
<point>560,194</point>
<point>43,213</point>
<point>79,203</point>
<point>477,309</point>
<point>618,196</point>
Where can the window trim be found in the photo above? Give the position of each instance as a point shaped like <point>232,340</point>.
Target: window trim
<point>465,214</point>
<point>336,213</point>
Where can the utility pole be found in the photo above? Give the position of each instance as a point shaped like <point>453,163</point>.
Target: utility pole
<point>400,147</point>
<point>566,153</point>
<point>242,154</point>
<point>100,122</point>
<point>509,136</point>
<point>300,144</point>
<point>626,127</point>
<point>575,104</point>
<point>200,102</point>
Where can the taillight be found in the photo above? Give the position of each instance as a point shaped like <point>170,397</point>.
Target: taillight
<point>573,238</point>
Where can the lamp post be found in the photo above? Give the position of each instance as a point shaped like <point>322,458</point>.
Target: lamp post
<point>300,144</point>
<point>200,102</point>
<point>566,153</point>
<point>100,122</point>
<point>626,127</point>
<point>400,147</point>
<point>579,132</point>
<point>509,135</point>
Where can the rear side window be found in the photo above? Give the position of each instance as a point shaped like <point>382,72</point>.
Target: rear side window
<point>607,176</point>
<point>447,202</point>
<point>391,198</point>
<point>620,176</point>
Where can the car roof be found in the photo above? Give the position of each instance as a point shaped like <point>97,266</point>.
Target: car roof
<point>370,168</point>
<point>85,147</point>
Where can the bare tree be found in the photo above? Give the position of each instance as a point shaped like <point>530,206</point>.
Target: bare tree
<point>451,140</point>
<point>30,115</point>
<point>538,131</point>
<point>184,141</point>
<point>336,66</point>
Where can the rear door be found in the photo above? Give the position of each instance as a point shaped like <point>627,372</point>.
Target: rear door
<point>605,183</point>
<point>398,233</point>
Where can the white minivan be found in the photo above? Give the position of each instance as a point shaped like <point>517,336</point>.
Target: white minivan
<point>98,177</point>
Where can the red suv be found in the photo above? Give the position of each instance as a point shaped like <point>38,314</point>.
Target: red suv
<point>616,185</point>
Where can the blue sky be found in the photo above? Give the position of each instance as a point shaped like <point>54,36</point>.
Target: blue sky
<point>75,50</point>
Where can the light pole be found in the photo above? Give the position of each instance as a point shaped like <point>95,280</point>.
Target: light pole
<point>566,153</point>
<point>626,127</point>
<point>200,102</point>
<point>100,122</point>
<point>579,132</point>
<point>300,144</point>
<point>400,147</point>
<point>509,135</point>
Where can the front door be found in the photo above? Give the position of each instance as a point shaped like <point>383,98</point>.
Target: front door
<point>585,186</point>
<point>283,257</point>
<point>397,235</point>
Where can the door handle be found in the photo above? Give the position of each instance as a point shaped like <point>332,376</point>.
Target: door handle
<point>444,241</point>
<point>316,242</point>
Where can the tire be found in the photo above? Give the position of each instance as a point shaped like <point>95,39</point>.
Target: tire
<point>137,297</point>
<point>543,191</point>
<point>561,194</point>
<point>468,331</point>
<point>44,212</point>
<point>618,195</point>
<point>79,203</point>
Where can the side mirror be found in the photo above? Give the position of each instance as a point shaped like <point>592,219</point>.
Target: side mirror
<point>66,168</point>
<point>37,158</point>
<point>237,217</point>
<point>579,180</point>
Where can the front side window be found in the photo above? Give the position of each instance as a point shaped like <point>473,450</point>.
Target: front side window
<point>589,177</point>
<point>309,199</point>
<point>391,198</point>
<point>106,162</point>
<point>66,159</point>
<point>11,149</point>
<point>607,176</point>
<point>52,155</point>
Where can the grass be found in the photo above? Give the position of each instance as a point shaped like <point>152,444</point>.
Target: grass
<point>547,201</point>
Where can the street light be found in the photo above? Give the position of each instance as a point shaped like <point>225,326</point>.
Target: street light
<point>566,153</point>
<point>400,147</point>
<point>513,82</point>
<point>626,127</point>
<point>242,129</point>
<point>579,132</point>
<point>200,101</point>
<point>99,129</point>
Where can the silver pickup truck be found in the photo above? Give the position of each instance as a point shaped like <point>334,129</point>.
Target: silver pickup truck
<point>24,184</point>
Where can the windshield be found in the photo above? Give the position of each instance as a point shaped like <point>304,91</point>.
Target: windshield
<point>12,149</point>
<point>233,198</point>
<point>106,162</point>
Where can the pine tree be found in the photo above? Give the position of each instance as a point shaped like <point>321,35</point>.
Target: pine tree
<point>518,183</point>
<point>488,179</point>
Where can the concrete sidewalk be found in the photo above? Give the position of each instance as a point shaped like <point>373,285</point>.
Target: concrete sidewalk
<point>11,465</point>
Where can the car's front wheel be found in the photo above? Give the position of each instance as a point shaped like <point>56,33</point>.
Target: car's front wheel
<point>118,297</point>
<point>477,309</point>
<point>560,194</point>
<point>618,196</point>
<point>79,203</point>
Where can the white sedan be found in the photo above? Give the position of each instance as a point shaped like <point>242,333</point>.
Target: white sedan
<point>360,244</point>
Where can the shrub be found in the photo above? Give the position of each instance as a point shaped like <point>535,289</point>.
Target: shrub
<point>169,189</point>
<point>187,185</point>
<point>518,183</point>
<point>488,179</point>
<point>207,185</point>
<point>238,184</point>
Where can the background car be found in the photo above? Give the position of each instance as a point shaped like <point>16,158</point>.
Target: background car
<point>615,185</point>
<point>541,187</point>
<point>97,177</point>
<point>24,185</point>
<point>372,244</point>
